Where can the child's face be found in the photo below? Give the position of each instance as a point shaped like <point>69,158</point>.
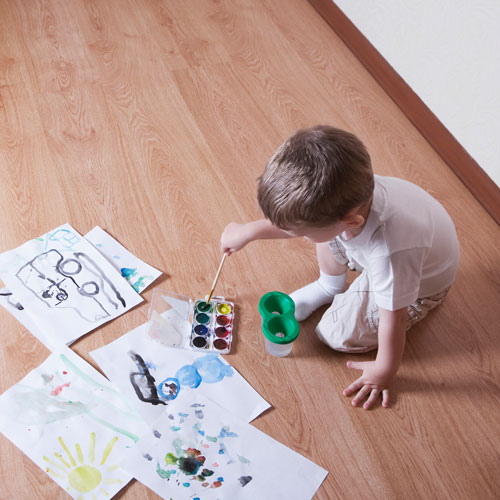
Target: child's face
<point>317,234</point>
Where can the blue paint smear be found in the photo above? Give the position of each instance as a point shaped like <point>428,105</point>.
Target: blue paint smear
<point>196,428</point>
<point>209,369</point>
<point>212,369</point>
<point>127,272</point>
<point>165,391</point>
<point>188,376</point>
<point>225,432</point>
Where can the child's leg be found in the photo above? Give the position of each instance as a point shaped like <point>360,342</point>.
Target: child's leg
<point>320,292</point>
<point>351,323</point>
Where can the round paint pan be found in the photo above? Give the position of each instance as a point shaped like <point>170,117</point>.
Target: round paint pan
<point>201,330</point>
<point>224,309</point>
<point>221,344</point>
<point>200,342</point>
<point>204,307</point>
<point>223,320</point>
<point>202,318</point>
<point>221,332</point>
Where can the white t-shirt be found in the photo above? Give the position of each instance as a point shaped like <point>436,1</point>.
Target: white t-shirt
<point>408,246</point>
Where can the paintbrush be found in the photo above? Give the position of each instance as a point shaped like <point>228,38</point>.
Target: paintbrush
<point>216,277</point>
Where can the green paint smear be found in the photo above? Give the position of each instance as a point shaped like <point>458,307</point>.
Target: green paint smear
<point>86,377</point>
<point>177,443</point>
<point>244,460</point>
<point>175,428</point>
<point>164,474</point>
<point>212,439</point>
<point>92,382</point>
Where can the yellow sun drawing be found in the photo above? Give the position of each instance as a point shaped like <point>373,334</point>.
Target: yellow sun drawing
<point>84,477</point>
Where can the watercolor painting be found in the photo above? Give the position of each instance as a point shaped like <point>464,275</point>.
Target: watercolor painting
<point>73,424</point>
<point>76,282</point>
<point>197,449</point>
<point>208,368</point>
<point>135,271</point>
<point>152,375</point>
<point>65,286</point>
<point>89,475</point>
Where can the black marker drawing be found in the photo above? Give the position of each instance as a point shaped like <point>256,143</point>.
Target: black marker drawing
<point>76,283</point>
<point>143,382</point>
<point>12,301</point>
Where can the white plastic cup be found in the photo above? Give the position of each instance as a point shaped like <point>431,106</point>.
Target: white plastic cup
<point>278,350</point>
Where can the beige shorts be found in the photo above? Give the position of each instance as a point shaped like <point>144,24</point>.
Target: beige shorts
<point>350,324</point>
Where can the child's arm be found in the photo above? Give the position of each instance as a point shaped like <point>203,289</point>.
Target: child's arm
<point>378,375</point>
<point>236,236</point>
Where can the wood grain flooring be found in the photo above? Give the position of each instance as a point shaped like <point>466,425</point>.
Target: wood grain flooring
<point>153,119</point>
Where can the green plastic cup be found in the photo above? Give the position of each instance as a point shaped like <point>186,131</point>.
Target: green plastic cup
<point>279,325</point>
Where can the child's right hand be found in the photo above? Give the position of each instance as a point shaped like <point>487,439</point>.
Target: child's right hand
<point>234,237</point>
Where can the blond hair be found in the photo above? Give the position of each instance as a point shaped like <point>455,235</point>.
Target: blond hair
<point>315,178</point>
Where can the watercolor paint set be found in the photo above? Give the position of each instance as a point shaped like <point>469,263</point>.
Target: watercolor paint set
<point>175,321</point>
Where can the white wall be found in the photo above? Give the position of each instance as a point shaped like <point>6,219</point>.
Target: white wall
<point>448,52</point>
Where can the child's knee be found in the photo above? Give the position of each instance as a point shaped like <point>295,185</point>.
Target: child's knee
<point>347,336</point>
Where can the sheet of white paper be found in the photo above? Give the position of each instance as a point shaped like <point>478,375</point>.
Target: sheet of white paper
<point>12,305</point>
<point>65,285</point>
<point>200,450</point>
<point>70,420</point>
<point>152,375</point>
<point>135,271</point>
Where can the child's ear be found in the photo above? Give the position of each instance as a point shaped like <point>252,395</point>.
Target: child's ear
<point>353,221</point>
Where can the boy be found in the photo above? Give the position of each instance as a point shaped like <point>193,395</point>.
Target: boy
<point>319,185</point>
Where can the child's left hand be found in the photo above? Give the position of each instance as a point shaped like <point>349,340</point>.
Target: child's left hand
<point>373,383</point>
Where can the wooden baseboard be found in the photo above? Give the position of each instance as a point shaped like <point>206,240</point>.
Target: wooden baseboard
<point>445,144</point>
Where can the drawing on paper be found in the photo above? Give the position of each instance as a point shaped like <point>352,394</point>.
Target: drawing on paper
<point>138,274</point>
<point>12,300</point>
<point>137,282</point>
<point>76,283</point>
<point>73,424</point>
<point>84,473</point>
<point>208,369</point>
<point>47,404</point>
<point>198,458</point>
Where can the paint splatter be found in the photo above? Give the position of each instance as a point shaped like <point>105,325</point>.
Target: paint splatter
<point>164,474</point>
<point>244,460</point>
<point>147,456</point>
<point>59,389</point>
<point>197,429</point>
<point>191,462</point>
<point>225,432</point>
<point>156,434</point>
<point>199,414</point>
<point>128,273</point>
<point>244,480</point>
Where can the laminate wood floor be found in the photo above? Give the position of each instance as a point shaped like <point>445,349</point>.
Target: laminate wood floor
<point>153,119</point>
